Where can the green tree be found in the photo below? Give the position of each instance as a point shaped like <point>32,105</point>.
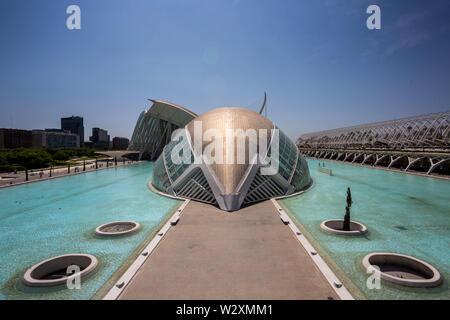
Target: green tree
<point>32,158</point>
<point>61,155</point>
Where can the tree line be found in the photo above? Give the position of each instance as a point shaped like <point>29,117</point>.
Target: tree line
<point>35,158</point>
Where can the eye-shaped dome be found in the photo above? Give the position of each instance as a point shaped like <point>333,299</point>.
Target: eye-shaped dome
<point>222,120</point>
<point>223,171</point>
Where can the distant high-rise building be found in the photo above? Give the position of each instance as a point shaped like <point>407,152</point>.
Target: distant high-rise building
<point>15,138</point>
<point>100,138</point>
<point>55,138</point>
<point>74,125</point>
<point>120,143</point>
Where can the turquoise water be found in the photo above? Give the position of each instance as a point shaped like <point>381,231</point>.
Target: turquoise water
<point>45,219</point>
<point>404,213</point>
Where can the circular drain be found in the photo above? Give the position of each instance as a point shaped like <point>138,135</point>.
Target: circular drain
<point>336,227</point>
<point>56,271</point>
<point>403,270</point>
<point>117,228</point>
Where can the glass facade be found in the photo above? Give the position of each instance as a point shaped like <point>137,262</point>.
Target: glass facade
<point>160,179</point>
<point>301,178</point>
<point>155,126</point>
<point>151,135</point>
<point>288,155</point>
<point>176,170</point>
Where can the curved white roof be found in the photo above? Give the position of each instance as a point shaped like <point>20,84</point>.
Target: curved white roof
<point>170,112</point>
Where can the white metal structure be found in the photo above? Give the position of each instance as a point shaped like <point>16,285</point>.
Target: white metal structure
<point>431,131</point>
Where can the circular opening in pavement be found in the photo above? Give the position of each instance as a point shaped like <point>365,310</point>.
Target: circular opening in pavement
<point>57,270</point>
<point>403,270</point>
<point>336,227</point>
<point>117,228</point>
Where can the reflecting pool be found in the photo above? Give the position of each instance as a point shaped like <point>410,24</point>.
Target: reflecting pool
<point>54,217</point>
<point>404,213</point>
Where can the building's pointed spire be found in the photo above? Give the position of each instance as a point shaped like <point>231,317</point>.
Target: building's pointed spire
<point>264,103</point>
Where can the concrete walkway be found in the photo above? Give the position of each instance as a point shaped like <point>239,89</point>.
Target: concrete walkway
<point>212,254</point>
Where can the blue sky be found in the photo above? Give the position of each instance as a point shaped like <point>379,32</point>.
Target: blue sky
<point>320,65</point>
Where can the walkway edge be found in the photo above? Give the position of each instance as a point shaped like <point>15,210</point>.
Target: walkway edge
<point>334,282</point>
<point>65,175</point>
<point>420,174</point>
<point>126,278</point>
